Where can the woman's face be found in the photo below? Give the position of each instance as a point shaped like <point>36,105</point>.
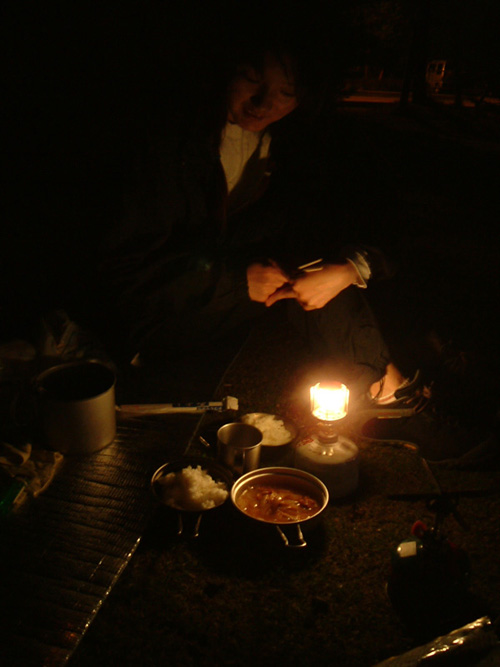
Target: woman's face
<point>259,97</point>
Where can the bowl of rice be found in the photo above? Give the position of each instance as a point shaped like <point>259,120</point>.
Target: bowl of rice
<point>191,486</point>
<point>278,434</point>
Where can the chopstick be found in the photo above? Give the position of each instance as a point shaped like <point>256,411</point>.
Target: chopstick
<point>310,266</point>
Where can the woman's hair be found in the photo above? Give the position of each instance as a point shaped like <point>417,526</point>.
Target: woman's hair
<point>301,40</point>
<point>308,40</point>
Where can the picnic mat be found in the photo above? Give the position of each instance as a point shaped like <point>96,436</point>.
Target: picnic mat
<point>62,552</point>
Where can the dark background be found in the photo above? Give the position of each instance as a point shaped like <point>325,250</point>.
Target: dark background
<point>76,76</point>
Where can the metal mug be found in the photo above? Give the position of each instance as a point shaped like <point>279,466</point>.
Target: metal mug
<point>238,447</point>
<point>77,406</point>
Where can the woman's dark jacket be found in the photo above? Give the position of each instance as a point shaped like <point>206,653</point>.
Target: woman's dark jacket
<point>172,240</point>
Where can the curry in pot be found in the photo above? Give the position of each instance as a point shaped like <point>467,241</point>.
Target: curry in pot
<point>276,504</point>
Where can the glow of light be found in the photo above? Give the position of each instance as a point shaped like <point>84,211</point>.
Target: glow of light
<point>329,401</point>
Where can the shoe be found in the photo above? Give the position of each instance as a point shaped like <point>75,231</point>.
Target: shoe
<point>413,419</point>
<point>410,399</point>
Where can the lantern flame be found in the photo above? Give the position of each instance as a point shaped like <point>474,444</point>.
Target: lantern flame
<point>329,401</point>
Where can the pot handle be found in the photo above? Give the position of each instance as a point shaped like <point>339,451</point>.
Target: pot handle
<point>300,541</point>
<point>195,530</point>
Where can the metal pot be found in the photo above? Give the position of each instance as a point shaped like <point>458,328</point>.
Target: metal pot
<point>76,403</point>
<point>292,478</point>
<point>216,471</point>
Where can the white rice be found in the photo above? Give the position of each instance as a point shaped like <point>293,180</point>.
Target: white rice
<point>274,431</point>
<point>192,489</point>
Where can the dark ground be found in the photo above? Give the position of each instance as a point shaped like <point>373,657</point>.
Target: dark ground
<point>235,597</point>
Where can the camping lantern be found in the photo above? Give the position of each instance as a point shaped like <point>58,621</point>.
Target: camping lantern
<point>324,451</point>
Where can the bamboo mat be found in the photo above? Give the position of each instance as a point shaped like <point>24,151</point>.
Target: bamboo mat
<point>62,553</point>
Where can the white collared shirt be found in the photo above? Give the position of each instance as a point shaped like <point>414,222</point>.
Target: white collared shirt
<point>244,160</point>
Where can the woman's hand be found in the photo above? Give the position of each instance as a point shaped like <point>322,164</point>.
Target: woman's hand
<point>315,289</point>
<point>263,281</point>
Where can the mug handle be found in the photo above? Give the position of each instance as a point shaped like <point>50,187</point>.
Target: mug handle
<point>24,410</point>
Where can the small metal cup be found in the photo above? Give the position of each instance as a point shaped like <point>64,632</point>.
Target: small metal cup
<point>238,447</point>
